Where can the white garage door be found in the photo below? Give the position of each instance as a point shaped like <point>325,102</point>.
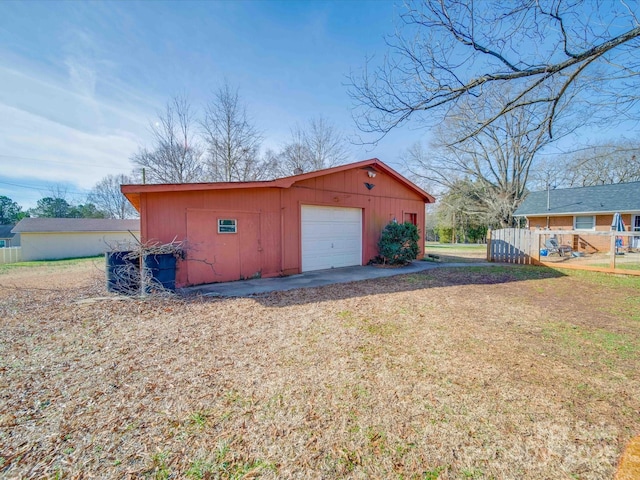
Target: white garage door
<point>331,237</point>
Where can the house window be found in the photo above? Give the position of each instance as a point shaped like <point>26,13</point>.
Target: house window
<point>584,222</point>
<point>412,218</point>
<point>3,244</point>
<point>227,225</point>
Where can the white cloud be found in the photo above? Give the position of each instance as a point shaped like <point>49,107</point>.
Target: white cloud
<point>38,148</point>
<point>82,77</point>
<point>56,129</point>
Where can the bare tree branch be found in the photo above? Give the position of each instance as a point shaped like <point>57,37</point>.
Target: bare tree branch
<point>233,143</point>
<point>495,163</point>
<point>447,51</point>
<point>316,146</point>
<point>107,197</point>
<point>605,163</point>
<point>176,156</point>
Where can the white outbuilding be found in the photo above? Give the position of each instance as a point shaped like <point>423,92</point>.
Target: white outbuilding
<point>56,238</point>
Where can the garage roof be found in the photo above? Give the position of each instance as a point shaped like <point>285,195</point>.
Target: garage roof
<point>51,225</point>
<point>132,192</point>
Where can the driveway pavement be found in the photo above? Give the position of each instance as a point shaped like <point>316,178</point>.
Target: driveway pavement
<point>247,288</point>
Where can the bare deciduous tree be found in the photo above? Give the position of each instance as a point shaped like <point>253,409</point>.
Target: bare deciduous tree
<point>326,146</point>
<point>107,197</point>
<point>295,156</point>
<point>550,52</point>
<point>176,156</point>
<point>232,142</point>
<point>614,162</point>
<point>497,160</point>
<point>316,146</point>
<point>597,164</point>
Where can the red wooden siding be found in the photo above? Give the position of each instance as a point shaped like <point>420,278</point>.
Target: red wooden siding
<point>213,257</point>
<point>384,202</point>
<point>268,238</point>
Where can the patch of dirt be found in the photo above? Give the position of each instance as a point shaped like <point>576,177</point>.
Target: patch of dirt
<point>455,373</point>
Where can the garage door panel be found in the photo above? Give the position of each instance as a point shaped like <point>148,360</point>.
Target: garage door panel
<point>331,237</point>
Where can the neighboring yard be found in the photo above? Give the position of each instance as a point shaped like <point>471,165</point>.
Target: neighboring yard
<point>501,372</point>
<point>456,252</point>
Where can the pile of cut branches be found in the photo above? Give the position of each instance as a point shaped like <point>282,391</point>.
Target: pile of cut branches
<point>132,276</point>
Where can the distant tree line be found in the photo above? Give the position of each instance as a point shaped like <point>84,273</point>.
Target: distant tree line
<point>10,212</point>
<point>103,201</point>
<point>48,207</point>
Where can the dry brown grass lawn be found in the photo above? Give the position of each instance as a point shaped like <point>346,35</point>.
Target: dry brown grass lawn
<point>505,373</point>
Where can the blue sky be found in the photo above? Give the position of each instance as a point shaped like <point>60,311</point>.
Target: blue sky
<point>81,81</point>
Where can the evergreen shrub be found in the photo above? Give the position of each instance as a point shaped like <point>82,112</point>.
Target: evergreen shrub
<point>398,244</point>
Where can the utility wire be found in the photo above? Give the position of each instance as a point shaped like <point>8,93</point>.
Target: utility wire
<point>40,189</point>
<point>59,162</point>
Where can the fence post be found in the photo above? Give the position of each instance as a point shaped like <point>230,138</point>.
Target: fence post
<point>10,255</point>
<point>612,250</point>
<point>489,259</point>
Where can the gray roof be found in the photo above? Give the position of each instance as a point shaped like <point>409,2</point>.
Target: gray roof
<point>33,225</point>
<point>5,231</point>
<point>618,197</point>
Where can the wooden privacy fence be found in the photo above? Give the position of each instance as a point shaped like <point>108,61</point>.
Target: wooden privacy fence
<point>10,255</point>
<point>512,245</point>
<point>587,250</point>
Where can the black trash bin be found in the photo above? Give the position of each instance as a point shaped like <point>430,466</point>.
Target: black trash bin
<point>162,270</point>
<point>123,272</point>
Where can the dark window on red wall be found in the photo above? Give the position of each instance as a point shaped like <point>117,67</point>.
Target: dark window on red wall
<point>411,218</point>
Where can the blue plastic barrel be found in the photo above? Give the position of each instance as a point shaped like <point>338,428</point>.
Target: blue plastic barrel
<point>162,268</point>
<point>123,272</point>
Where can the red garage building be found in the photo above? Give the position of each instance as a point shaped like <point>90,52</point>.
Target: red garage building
<point>312,221</point>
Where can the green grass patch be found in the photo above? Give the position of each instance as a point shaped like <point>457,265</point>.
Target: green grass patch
<point>618,266</point>
<point>160,470</point>
<point>433,474</point>
<point>198,419</point>
<point>225,464</point>
<point>513,272</point>
<point>628,266</point>
<point>63,262</point>
<point>467,247</point>
<point>609,280</point>
<point>621,345</point>
<point>627,309</point>
<point>595,342</point>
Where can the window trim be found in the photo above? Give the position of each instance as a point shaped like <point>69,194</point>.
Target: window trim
<point>226,228</point>
<point>413,218</point>
<point>575,222</point>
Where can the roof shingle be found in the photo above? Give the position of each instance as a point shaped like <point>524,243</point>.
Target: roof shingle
<point>33,225</point>
<point>619,197</point>
<point>5,231</point>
